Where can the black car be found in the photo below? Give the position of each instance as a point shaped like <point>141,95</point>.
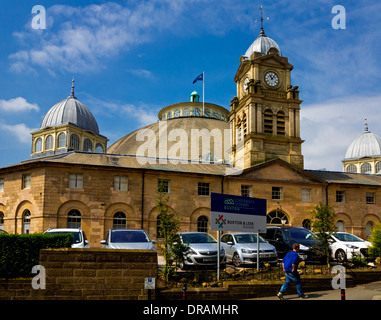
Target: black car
<point>284,238</point>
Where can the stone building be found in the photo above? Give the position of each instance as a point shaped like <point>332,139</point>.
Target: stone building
<point>254,150</point>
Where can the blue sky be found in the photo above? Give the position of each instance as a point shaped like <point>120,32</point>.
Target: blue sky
<point>132,58</point>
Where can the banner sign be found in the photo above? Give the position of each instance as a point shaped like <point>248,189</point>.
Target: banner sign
<point>235,213</point>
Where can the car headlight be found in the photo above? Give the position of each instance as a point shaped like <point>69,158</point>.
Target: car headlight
<point>351,246</point>
<point>248,251</point>
<point>190,251</point>
<point>303,247</point>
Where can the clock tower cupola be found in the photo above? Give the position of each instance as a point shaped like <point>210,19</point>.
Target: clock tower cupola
<point>265,114</point>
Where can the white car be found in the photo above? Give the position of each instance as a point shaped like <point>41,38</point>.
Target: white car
<point>128,239</point>
<point>79,241</point>
<point>344,246</point>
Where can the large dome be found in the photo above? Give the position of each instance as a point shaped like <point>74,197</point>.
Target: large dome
<point>262,45</point>
<point>70,111</point>
<point>366,145</point>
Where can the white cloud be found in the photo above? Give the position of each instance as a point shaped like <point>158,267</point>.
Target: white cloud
<point>142,73</point>
<point>329,128</point>
<point>18,104</point>
<point>20,131</point>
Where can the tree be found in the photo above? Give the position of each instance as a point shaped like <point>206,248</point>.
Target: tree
<point>168,226</point>
<point>323,224</point>
<point>375,240</point>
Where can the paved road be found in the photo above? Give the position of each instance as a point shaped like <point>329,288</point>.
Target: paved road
<point>370,291</point>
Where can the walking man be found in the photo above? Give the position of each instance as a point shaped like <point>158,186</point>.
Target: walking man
<point>290,266</point>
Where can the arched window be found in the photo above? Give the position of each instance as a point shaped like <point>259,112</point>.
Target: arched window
<point>49,143</point>
<point>38,147</point>
<point>202,224</point>
<point>62,140</point>
<point>169,116</point>
<point>119,221</point>
<point>1,220</point>
<point>158,227</point>
<point>268,121</point>
<point>207,113</point>
<point>306,224</point>
<point>177,113</point>
<point>74,142</point>
<point>196,112</point>
<point>186,112</point>
<point>352,168</point>
<point>366,168</point>
<point>277,217</point>
<point>378,167</point>
<point>87,145</point>
<point>99,148</point>
<point>340,226</point>
<point>74,219</point>
<point>280,124</point>
<point>26,221</point>
<point>368,229</point>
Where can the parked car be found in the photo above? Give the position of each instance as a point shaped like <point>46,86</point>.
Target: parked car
<point>284,238</point>
<point>241,248</point>
<point>344,245</point>
<point>3,231</point>
<point>203,250</point>
<point>80,240</point>
<point>127,239</point>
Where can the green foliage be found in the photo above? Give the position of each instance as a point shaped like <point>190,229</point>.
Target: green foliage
<point>20,252</point>
<point>375,240</point>
<point>358,261</point>
<point>323,224</point>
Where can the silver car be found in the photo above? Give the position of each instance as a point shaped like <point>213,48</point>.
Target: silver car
<point>241,248</point>
<point>203,250</point>
<point>127,239</point>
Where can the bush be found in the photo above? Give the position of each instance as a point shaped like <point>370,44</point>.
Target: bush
<point>20,252</point>
<point>375,240</point>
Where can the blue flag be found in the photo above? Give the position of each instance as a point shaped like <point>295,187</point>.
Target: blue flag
<point>200,77</point>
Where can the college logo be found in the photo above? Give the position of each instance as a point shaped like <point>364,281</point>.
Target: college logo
<point>220,221</point>
<point>229,201</point>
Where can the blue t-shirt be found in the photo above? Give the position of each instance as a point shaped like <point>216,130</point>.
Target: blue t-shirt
<point>291,258</point>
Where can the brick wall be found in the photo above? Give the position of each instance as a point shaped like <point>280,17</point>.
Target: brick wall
<point>81,274</point>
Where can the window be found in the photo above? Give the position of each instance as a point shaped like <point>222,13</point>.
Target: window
<point>246,191</point>
<point>49,143</point>
<point>280,124</point>
<point>74,142</point>
<point>340,196</point>
<point>207,113</point>
<point>26,221</point>
<point>62,140</point>
<point>352,168</point>
<point>38,147</point>
<point>277,193</point>
<point>74,219</point>
<point>368,229</point>
<point>277,217</point>
<point>1,220</point>
<point>163,186</point>
<point>268,121</point>
<point>366,168</point>
<point>169,115</point>
<point>203,189</point>
<point>119,221</point>
<point>26,181</point>
<point>370,198</point>
<point>75,181</point>
<point>340,226</point>
<point>99,148</point>
<point>196,112</point>
<point>306,224</point>
<point>120,183</point>
<point>87,145</point>
<point>1,184</point>
<point>306,195</point>
<point>378,167</point>
<point>186,112</point>
<point>202,224</point>
<point>177,113</point>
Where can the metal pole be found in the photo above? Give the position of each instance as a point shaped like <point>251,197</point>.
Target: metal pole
<point>257,251</point>
<point>203,94</point>
<point>218,254</point>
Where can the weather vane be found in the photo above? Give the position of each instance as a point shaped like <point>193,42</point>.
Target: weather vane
<point>267,18</point>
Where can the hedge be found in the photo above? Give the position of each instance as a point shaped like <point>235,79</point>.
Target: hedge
<point>20,252</point>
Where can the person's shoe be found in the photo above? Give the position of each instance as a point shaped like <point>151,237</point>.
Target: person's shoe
<point>303,296</point>
<point>280,296</point>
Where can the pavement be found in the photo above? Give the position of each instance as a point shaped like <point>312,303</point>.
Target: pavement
<point>369,291</point>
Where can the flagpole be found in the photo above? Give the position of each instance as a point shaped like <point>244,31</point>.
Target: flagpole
<point>203,94</point>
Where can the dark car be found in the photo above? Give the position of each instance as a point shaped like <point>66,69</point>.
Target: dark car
<point>284,238</point>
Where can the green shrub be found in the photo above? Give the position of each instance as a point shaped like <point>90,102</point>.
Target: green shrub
<point>375,240</point>
<point>20,252</point>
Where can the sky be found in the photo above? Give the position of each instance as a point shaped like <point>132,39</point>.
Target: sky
<point>132,58</point>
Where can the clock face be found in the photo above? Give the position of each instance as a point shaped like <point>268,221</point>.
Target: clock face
<point>245,82</point>
<point>271,79</point>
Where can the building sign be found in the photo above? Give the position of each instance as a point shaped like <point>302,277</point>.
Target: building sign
<point>235,213</point>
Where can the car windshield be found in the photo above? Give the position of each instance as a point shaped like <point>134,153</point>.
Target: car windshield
<point>198,238</point>
<point>77,235</point>
<point>347,237</point>
<point>301,234</point>
<point>128,236</point>
<point>248,238</point>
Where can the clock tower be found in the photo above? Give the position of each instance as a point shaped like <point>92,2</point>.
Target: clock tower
<point>265,114</point>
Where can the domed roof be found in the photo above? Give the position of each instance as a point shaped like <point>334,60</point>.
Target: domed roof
<point>366,145</point>
<point>70,111</point>
<point>262,45</point>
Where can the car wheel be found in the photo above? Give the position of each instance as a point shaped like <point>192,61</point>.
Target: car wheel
<point>182,266</point>
<point>236,261</point>
<point>340,255</point>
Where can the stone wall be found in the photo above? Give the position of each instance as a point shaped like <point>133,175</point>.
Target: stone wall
<point>88,274</point>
